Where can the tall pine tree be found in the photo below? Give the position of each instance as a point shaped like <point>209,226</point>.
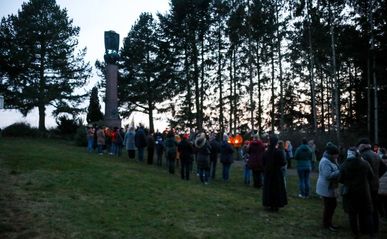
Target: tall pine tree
<point>39,63</point>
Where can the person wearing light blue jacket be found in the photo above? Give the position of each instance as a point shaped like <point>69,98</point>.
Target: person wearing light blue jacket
<point>327,184</point>
<point>129,143</point>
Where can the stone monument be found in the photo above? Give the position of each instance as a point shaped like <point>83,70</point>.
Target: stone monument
<point>112,118</point>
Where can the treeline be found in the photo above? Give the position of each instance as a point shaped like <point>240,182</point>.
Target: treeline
<point>259,64</point>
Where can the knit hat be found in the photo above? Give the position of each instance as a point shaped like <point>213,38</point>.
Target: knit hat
<point>331,149</point>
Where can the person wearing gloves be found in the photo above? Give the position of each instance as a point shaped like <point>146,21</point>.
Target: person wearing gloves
<point>327,184</point>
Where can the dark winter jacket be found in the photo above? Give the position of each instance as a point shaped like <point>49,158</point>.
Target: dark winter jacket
<point>203,150</point>
<point>170,145</point>
<point>185,149</point>
<point>256,150</point>
<point>140,138</point>
<point>215,150</point>
<point>376,164</point>
<point>226,153</point>
<point>274,192</point>
<point>356,175</point>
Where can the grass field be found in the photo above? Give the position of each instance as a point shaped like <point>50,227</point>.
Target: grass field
<point>52,189</point>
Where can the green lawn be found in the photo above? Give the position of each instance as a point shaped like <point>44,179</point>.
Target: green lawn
<point>52,189</point>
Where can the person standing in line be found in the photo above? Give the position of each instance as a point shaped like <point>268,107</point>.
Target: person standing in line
<point>289,153</point>
<point>90,138</point>
<point>246,168</point>
<point>129,143</point>
<point>113,136</point>
<point>215,150</point>
<point>356,176</point>
<point>203,157</point>
<point>140,141</point>
<point>383,186</point>
<point>170,151</point>
<point>226,158</point>
<point>256,149</point>
<point>185,149</point>
<point>303,157</point>
<point>100,140</point>
<point>274,192</point>
<point>159,145</point>
<point>378,168</point>
<point>119,141</point>
<point>327,184</point>
<point>312,147</point>
<point>281,147</point>
<point>150,147</point>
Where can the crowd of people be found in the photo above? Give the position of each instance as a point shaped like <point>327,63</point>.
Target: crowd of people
<point>360,177</point>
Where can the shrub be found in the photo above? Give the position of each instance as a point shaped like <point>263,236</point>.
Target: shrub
<point>68,126</point>
<point>20,129</point>
<point>81,137</point>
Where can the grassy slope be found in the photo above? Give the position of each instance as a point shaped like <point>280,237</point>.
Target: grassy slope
<point>51,189</point>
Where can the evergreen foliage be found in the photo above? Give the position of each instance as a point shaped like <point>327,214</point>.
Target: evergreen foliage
<point>39,62</point>
<point>94,113</point>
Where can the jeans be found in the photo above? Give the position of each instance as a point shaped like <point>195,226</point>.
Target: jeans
<point>304,181</point>
<point>100,148</point>
<point>246,174</point>
<point>113,149</point>
<point>141,154</point>
<point>204,173</point>
<point>213,168</point>
<point>90,143</point>
<point>226,171</point>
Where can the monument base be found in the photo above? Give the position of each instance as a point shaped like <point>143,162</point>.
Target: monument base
<point>111,123</point>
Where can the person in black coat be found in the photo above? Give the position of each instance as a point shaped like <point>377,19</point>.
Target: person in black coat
<point>356,175</point>
<point>226,158</point>
<point>150,146</point>
<point>215,150</point>
<point>378,169</point>
<point>186,151</point>
<point>274,191</point>
<point>140,142</point>
<point>203,157</point>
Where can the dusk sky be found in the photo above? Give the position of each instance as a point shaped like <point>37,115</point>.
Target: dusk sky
<point>93,17</point>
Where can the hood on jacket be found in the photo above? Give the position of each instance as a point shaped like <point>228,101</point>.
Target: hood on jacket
<point>200,141</point>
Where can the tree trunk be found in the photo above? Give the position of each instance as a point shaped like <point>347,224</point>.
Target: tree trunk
<point>272,89</point>
<point>372,74</point>
<point>201,116</point>
<point>259,91</point>
<point>221,120</point>
<point>235,93</point>
<point>42,117</point>
<point>311,66</point>
<point>281,125</point>
<point>322,101</point>
<point>197,89</point>
<point>231,91</point>
<point>334,76</point>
